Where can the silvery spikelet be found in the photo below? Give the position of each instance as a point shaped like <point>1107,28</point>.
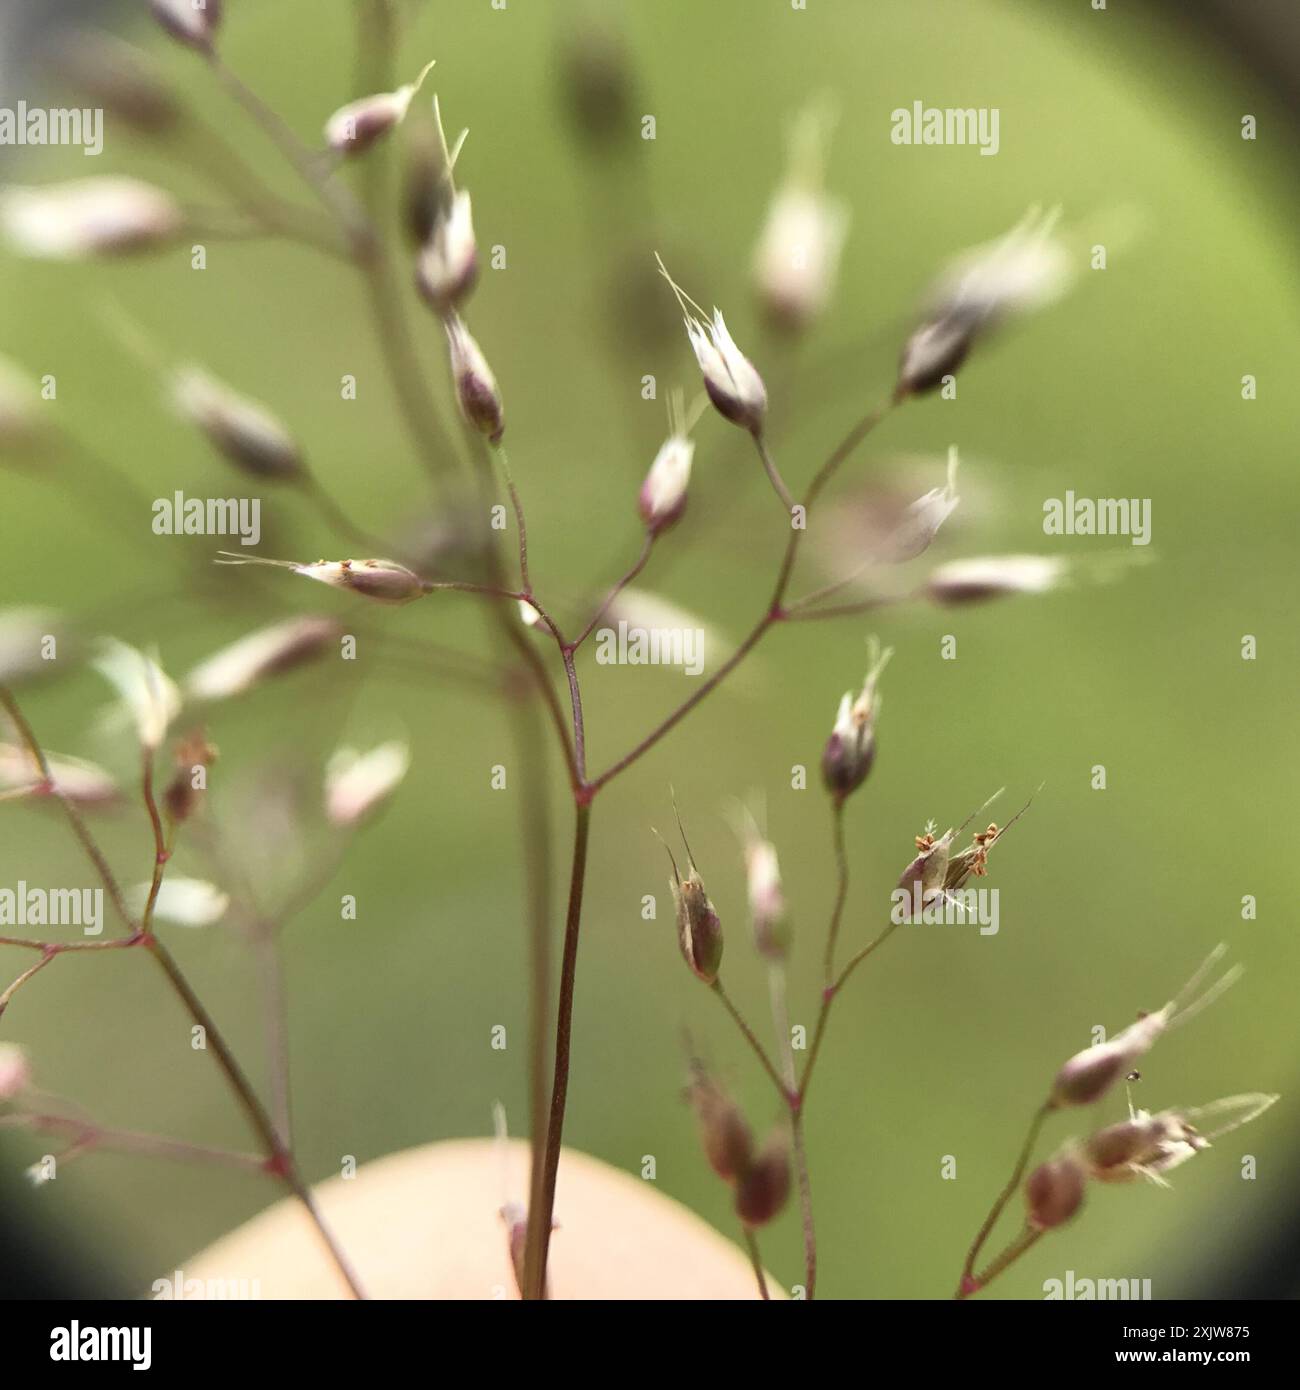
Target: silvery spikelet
<point>354,128</point>
<point>851,748</point>
<point>1148,1146</point>
<point>995,576</point>
<point>193,22</point>
<point>1089,1074</point>
<point>916,529</point>
<point>358,784</point>
<point>1024,270</point>
<point>476,388</point>
<point>270,651</point>
<point>661,502</point>
<point>699,929</point>
<point>383,581</point>
<point>768,911</point>
<point>74,779</point>
<point>447,266</point>
<point>730,378</point>
<point>798,252</point>
<point>148,697</point>
<point>109,215</point>
<point>243,431</point>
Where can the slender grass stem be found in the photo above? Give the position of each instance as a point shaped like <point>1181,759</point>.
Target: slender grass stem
<point>647,545</point>
<point>15,985</point>
<point>752,1039</point>
<point>841,889</point>
<point>579,719</point>
<point>829,995</point>
<point>805,1205</point>
<point>1013,1182</point>
<point>840,610</point>
<point>756,1263</point>
<point>521,523</point>
<point>541,1215</point>
<point>74,817</point>
<point>58,948</point>
<point>542,681</point>
<point>773,473</point>
<point>92,1136</point>
<point>535,831</point>
<point>271,969</point>
<point>1025,1241</point>
<point>160,853</point>
<point>466,586</point>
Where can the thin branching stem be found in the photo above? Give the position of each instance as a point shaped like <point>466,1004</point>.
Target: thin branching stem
<point>1013,1182</point>
<point>756,1263</point>
<point>466,586</point>
<point>647,545</point>
<point>271,969</point>
<point>829,995</point>
<point>705,690</point>
<point>541,1216</point>
<point>310,165</point>
<point>773,472</point>
<point>775,610</point>
<point>805,1204</point>
<point>74,817</point>
<point>579,718</point>
<point>542,681</point>
<point>87,1136</point>
<point>15,985</point>
<point>752,1039</point>
<point>58,948</point>
<point>160,854</point>
<point>535,832</point>
<point>228,169</point>
<point>279,1160</point>
<point>521,523</point>
<point>839,610</point>
<point>841,888</point>
<point>1025,1241</point>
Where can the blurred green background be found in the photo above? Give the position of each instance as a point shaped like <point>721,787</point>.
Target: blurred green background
<point>945,1042</point>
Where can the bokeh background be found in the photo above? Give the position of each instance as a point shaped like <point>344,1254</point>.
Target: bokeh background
<point>1131,387</point>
